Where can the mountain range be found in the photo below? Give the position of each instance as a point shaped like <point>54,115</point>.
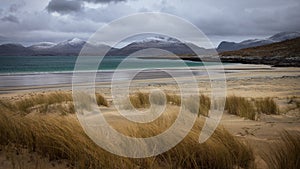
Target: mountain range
<point>65,48</point>
<point>73,47</point>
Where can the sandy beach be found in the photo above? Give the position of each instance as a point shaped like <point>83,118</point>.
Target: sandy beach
<point>241,79</point>
<point>249,81</point>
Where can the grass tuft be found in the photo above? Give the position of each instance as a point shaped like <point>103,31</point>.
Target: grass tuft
<point>101,100</point>
<point>140,100</point>
<point>266,106</point>
<point>173,99</point>
<point>205,104</point>
<point>201,108</point>
<point>240,106</point>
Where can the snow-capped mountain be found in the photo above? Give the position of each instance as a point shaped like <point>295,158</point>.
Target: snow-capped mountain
<point>74,43</point>
<point>159,39</point>
<point>65,48</point>
<point>230,46</point>
<point>42,45</point>
<point>159,42</point>
<point>68,47</point>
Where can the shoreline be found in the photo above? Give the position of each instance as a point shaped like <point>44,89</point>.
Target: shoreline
<point>42,80</point>
<point>258,81</point>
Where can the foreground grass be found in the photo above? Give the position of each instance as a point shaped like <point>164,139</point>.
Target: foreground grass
<point>284,153</point>
<point>61,137</point>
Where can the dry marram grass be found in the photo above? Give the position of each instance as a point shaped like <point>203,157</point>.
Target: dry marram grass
<point>61,137</point>
<point>285,153</point>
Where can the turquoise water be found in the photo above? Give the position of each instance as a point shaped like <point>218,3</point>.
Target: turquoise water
<point>26,64</point>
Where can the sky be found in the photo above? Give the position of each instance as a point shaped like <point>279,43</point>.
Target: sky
<point>32,21</point>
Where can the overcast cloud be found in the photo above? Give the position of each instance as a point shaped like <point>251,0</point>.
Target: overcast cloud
<point>33,21</point>
<point>10,18</point>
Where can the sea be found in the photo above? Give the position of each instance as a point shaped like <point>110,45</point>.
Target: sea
<point>22,71</point>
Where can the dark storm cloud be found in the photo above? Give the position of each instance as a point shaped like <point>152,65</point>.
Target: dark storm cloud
<point>64,6</point>
<point>10,18</point>
<point>103,1</point>
<point>67,6</point>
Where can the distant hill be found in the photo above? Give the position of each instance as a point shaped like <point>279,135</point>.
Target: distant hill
<point>231,46</point>
<point>286,53</point>
<point>15,50</point>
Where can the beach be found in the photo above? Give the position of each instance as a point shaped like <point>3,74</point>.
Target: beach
<point>241,79</point>
<point>247,81</point>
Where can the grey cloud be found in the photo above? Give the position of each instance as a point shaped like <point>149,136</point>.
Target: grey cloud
<point>106,14</point>
<point>3,39</point>
<point>10,18</point>
<point>64,6</point>
<point>15,7</point>
<point>233,20</point>
<point>104,1</point>
<point>239,18</point>
<point>67,6</point>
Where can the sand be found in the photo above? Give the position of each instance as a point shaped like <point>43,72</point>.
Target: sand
<point>254,81</point>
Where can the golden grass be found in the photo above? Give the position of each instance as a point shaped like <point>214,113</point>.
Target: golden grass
<point>267,106</point>
<point>285,153</point>
<point>173,99</point>
<point>204,105</point>
<point>47,103</point>
<point>201,108</point>
<point>101,100</point>
<point>25,105</point>
<point>249,109</point>
<point>240,106</point>
<point>61,137</point>
<point>141,100</point>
